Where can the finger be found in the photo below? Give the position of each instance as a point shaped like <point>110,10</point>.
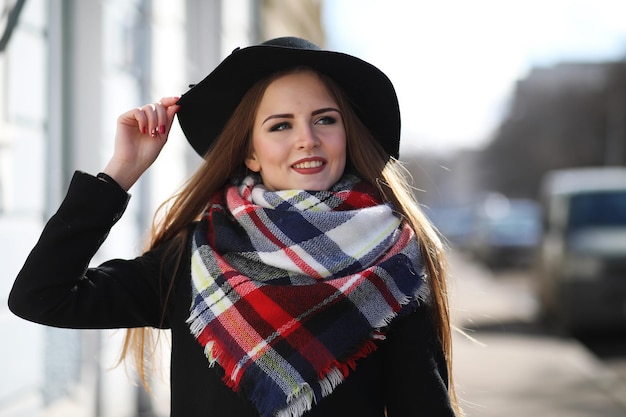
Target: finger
<point>171,112</point>
<point>135,117</point>
<point>162,121</point>
<point>156,118</point>
<point>166,118</point>
<point>169,101</point>
<point>152,118</point>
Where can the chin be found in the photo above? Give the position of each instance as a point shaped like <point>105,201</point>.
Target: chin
<point>317,186</point>
<point>308,184</point>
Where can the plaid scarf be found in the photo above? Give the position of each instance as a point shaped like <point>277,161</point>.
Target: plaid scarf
<point>290,288</point>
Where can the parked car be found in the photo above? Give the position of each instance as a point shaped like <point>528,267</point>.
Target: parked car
<point>455,223</point>
<point>506,232</point>
<point>581,280</point>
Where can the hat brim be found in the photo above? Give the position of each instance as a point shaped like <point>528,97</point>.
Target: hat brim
<point>207,106</point>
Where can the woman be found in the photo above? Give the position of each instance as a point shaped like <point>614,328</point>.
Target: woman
<point>294,269</point>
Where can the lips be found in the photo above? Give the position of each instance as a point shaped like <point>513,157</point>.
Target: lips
<point>309,166</point>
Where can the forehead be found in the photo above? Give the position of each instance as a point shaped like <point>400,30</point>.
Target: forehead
<point>295,85</point>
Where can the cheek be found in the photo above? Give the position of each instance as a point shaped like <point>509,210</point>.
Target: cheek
<point>265,155</point>
<point>340,148</point>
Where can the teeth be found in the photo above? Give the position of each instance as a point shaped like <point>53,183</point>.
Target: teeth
<point>308,164</point>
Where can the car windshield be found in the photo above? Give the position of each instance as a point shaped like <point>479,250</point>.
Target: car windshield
<point>598,209</point>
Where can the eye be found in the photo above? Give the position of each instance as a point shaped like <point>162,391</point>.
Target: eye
<point>280,126</point>
<point>326,120</point>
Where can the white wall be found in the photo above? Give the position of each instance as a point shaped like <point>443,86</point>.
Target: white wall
<point>71,68</point>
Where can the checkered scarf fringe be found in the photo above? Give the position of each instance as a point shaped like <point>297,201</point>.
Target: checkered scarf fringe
<point>291,288</point>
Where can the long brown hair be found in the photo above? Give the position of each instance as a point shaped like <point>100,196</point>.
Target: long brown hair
<point>374,165</point>
<point>366,157</point>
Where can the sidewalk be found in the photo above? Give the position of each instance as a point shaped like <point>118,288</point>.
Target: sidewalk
<point>514,370</point>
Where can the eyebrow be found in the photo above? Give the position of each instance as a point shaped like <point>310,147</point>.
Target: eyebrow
<point>290,115</point>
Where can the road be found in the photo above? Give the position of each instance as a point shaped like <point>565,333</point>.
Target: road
<point>509,364</point>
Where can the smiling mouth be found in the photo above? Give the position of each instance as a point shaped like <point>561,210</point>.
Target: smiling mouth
<point>308,164</point>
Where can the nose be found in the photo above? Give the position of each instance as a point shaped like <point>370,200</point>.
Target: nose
<point>307,139</point>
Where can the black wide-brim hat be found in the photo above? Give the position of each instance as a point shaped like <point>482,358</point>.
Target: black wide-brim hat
<point>207,106</point>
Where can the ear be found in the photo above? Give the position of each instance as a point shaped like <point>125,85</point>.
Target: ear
<point>253,163</point>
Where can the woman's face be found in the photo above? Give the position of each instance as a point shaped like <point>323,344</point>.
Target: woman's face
<point>298,137</point>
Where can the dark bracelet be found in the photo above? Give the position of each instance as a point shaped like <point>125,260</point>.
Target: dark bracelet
<point>107,178</point>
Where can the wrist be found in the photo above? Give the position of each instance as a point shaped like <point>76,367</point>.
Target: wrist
<point>124,178</point>
<point>102,176</point>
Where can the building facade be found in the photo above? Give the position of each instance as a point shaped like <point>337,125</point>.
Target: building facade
<point>68,69</point>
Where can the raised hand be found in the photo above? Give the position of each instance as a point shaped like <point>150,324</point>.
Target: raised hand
<point>141,134</point>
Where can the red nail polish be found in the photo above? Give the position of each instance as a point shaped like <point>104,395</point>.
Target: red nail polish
<point>162,128</point>
<point>144,130</point>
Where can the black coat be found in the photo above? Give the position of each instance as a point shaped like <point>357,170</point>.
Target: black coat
<point>407,373</point>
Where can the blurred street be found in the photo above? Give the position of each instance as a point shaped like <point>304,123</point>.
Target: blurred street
<point>510,364</point>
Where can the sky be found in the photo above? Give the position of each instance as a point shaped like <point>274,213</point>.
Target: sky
<point>454,63</point>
